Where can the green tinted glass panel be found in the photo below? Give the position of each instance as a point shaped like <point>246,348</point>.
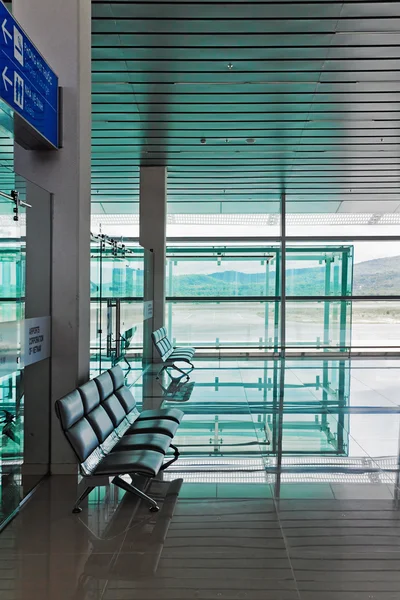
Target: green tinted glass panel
<point>223,272</point>
<point>116,312</point>
<point>319,271</point>
<point>318,324</point>
<point>224,324</point>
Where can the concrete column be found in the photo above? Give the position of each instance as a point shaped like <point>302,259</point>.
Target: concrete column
<point>62,32</point>
<point>152,236</point>
<point>37,376</point>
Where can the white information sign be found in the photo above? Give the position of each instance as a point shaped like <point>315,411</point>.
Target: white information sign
<point>147,309</point>
<point>37,340</point>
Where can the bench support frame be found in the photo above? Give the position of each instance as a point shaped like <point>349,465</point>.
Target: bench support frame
<point>131,489</point>
<point>88,483</point>
<point>184,372</point>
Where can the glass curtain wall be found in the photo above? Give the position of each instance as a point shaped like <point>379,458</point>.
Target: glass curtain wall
<point>224,297</point>
<point>230,297</point>
<point>116,315</point>
<point>329,282</point>
<point>337,284</point>
<point>370,308</point>
<point>12,302</point>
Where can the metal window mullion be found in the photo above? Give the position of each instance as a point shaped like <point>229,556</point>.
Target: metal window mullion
<point>343,304</point>
<point>283,273</point>
<point>327,304</point>
<point>266,304</point>
<point>170,290</point>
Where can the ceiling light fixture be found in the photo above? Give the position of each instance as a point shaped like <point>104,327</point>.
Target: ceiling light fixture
<point>230,66</point>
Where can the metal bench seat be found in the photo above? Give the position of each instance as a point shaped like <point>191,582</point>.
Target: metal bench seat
<point>163,426</point>
<point>144,441</point>
<point>170,355</point>
<point>143,462</point>
<point>171,414</point>
<point>184,354</point>
<point>111,438</point>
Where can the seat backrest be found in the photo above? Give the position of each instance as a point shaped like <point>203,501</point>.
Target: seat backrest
<point>77,428</point>
<point>162,343</point>
<point>96,415</point>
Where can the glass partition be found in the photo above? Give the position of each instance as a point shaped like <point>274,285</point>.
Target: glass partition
<point>224,297</point>
<point>319,271</point>
<point>230,297</point>
<point>375,325</point>
<point>224,323</point>
<point>116,315</point>
<point>12,297</point>
<point>318,325</point>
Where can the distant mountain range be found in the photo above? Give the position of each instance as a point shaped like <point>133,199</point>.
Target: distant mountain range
<point>380,276</point>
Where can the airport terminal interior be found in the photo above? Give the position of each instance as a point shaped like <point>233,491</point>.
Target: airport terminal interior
<point>200,300</point>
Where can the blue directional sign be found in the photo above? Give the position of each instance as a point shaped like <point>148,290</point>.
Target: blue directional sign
<point>27,83</point>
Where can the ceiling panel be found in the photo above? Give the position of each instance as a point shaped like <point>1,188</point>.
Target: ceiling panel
<point>243,100</point>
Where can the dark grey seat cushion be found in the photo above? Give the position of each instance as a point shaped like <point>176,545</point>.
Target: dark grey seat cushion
<point>114,409</point>
<point>144,462</point>
<point>82,438</point>
<point>90,395</point>
<point>101,423</point>
<point>105,385</point>
<point>70,409</point>
<point>144,441</point>
<point>171,414</point>
<point>154,426</point>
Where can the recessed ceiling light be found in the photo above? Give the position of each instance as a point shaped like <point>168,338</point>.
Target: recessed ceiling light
<point>230,66</point>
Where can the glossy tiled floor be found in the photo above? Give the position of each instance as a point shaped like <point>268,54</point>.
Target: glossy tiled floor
<point>286,488</point>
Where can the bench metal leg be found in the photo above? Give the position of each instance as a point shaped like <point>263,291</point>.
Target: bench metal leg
<point>187,371</point>
<point>172,460</point>
<point>183,373</point>
<point>128,487</point>
<point>173,366</point>
<point>77,509</point>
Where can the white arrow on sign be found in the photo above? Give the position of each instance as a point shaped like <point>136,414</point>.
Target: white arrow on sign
<point>5,31</point>
<point>6,79</point>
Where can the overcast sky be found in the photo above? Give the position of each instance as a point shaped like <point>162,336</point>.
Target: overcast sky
<point>362,250</point>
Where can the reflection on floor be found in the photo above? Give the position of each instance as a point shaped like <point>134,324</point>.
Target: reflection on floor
<point>13,486</point>
<point>286,488</point>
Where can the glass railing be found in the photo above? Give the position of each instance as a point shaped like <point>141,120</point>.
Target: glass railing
<point>230,297</point>
<point>224,323</point>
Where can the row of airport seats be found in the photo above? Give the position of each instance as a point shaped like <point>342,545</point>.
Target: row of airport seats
<point>111,438</point>
<point>170,355</point>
